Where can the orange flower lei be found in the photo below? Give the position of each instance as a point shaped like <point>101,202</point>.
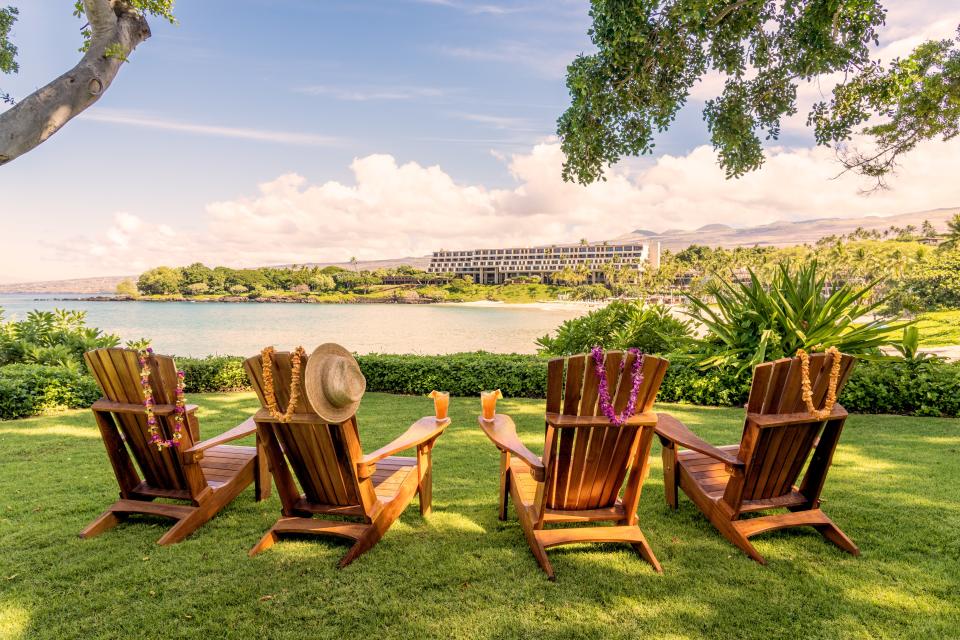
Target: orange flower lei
<point>831,401</point>
<point>269,395</point>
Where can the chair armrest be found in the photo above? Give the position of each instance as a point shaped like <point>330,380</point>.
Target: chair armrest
<point>669,428</point>
<point>562,421</point>
<point>786,419</point>
<point>420,432</point>
<point>246,428</point>
<point>503,433</point>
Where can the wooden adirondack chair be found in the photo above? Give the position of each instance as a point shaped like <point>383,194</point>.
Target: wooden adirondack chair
<point>334,476</point>
<point>586,458</point>
<point>206,474</point>
<point>760,472</point>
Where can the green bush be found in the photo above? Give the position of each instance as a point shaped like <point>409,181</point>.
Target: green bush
<point>619,325</point>
<point>30,389</point>
<point>462,374</point>
<point>213,373</point>
<point>749,323</point>
<point>918,387</point>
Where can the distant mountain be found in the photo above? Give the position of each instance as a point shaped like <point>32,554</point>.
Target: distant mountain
<point>105,284</point>
<point>784,233</point>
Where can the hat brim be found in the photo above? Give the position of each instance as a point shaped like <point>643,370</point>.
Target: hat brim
<point>313,386</point>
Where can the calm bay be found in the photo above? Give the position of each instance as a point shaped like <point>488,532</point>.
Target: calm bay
<point>202,328</point>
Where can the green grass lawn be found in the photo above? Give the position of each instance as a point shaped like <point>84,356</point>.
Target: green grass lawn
<point>939,328</point>
<point>460,573</point>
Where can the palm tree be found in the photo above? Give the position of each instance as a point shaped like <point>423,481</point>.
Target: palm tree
<point>353,261</point>
<point>953,234</point>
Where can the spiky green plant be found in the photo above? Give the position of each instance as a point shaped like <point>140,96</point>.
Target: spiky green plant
<point>751,322</point>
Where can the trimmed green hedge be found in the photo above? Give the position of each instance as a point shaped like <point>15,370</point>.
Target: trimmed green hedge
<point>909,388</point>
<point>31,389</point>
<point>213,373</point>
<point>462,374</point>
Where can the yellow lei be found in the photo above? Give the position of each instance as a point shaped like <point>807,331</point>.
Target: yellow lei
<point>269,395</point>
<point>831,401</point>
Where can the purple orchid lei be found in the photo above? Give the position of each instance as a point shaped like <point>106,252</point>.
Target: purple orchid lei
<point>179,410</point>
<point>636,374</point>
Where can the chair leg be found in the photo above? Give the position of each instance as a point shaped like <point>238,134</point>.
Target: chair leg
<point>185,527</point>
<point>646,552</point>
<point>425,479</point>
<point>261,473</point>
<point>268,540</point>
<point>540,553</point>
<point>731,533</point>
<point>363,544</point>
<point>105,521</point>
<point>671,472</point>
<point>504,484</point>
<point>833,533</point>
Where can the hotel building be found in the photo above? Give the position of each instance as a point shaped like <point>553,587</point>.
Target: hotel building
<point>496,266</point>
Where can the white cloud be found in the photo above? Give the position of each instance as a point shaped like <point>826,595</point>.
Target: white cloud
<point>136,119</point>
<point>392,210</point>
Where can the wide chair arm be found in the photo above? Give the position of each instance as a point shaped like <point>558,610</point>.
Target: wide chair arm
<point>669,428</point>
<point>503,433</point>
<point>246,428</point>
<point>420,432</point>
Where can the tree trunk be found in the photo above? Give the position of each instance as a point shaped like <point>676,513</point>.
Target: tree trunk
<point>115,28</point>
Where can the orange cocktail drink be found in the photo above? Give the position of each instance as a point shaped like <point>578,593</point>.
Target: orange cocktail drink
<point>488,402</point>
<point>441,403</point>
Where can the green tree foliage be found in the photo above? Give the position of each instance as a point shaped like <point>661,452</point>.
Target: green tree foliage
<point>160,281</point>
<point>929,285</point>
<point>650,54</point>
<point>749,323</point>
<point>952,240</point>
<point>54,338</point>
<point>127,288</point>
<point>619,325</point>
<point>918,98</point>
<point>8,52</point>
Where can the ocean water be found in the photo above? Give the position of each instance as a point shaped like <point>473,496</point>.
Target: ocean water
<point>198,329</point>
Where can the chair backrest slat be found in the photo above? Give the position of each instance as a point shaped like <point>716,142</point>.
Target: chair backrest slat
<point>586,466</point>
<point>774,456</point>
<point>117,372</point>
<point>321,456</point>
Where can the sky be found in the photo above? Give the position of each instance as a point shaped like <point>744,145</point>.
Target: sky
<point>280,131</point>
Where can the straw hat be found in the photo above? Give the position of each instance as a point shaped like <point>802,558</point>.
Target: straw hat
<point>333,383</point>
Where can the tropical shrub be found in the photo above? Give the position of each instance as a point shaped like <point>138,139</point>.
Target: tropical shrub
<point>751,322</point>
<point>619,325</point>
<point>55,338</point>
<point>31,389</point>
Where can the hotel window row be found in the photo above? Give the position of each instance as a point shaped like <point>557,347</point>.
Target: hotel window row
<point>495,266</point>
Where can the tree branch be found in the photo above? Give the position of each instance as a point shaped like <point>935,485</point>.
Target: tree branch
<point>116,28</point>
<point>101,17</point>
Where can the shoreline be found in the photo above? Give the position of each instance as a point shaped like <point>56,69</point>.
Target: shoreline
<point>546,305</point>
